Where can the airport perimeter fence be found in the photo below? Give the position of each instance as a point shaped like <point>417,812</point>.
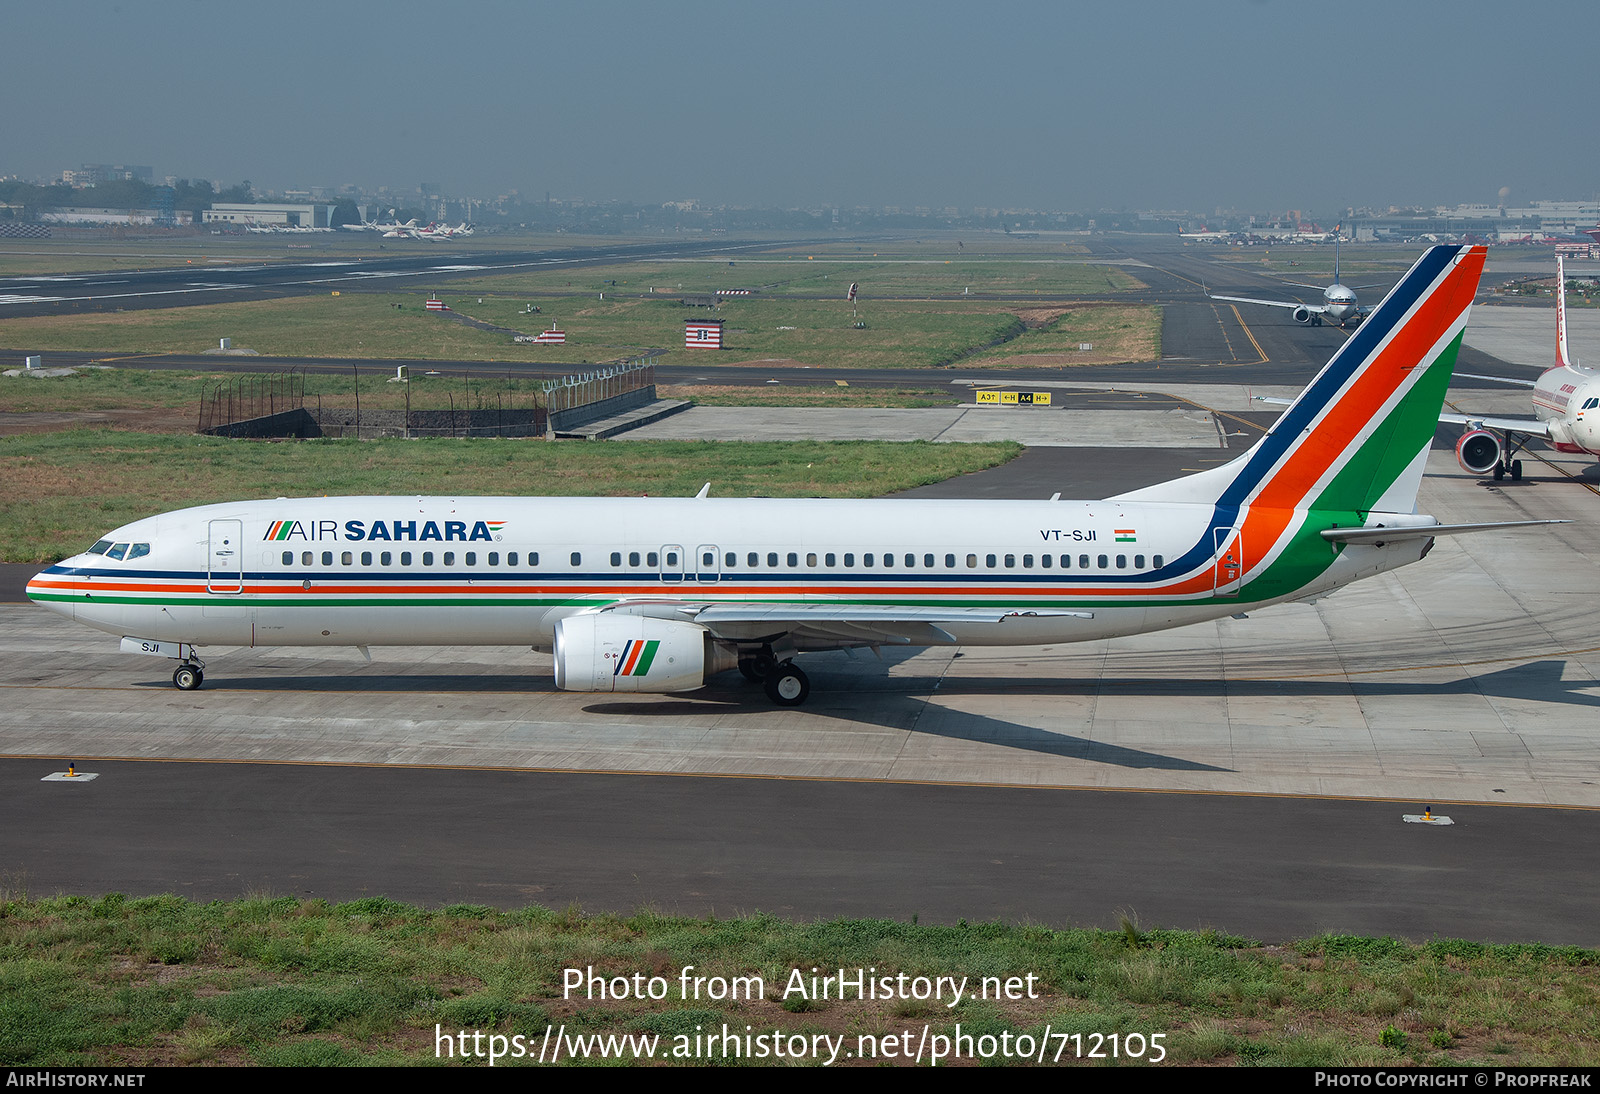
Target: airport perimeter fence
<point>369,403</point>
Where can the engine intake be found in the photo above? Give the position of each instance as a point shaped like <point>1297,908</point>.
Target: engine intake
<point>1479,451</point>
<point>615,652</point>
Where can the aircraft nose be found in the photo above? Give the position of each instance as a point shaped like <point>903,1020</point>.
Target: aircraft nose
<point>49,589</point>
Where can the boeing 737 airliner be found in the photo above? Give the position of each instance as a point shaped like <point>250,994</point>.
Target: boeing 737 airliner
<point>657,595</point>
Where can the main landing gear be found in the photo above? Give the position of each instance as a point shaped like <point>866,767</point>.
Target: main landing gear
<point>785,684</point>
<point>1512,466</point>
<point>188,676</point>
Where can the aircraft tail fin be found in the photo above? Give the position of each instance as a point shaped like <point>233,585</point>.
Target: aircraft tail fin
<point>1563,354</point>
<point>1357,437</point>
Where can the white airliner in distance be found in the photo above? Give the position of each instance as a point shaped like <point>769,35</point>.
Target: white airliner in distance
<point>1338,300</point>
<point>659,594</point>
<point>1566,407</point>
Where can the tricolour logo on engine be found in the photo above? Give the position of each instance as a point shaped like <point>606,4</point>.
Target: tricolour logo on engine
<point>636,657</point>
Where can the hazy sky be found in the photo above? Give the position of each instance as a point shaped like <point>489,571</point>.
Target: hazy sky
<point>1255,104</point>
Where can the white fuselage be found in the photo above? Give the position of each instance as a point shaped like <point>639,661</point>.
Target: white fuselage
<point>1567,400</point>
<point>504,571</point>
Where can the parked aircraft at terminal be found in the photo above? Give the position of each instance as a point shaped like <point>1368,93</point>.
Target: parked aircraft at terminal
<point>1566,407</point>
<point>659,594</point>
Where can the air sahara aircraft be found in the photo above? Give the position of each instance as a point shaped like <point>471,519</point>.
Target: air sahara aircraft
<point>659,594</point>
<point>1566,407</point>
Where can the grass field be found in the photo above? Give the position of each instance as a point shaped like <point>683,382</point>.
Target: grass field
<point>60,491</point>
<point>897,334</point>
<point>281,981</point>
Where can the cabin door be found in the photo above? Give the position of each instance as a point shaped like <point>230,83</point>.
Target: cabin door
<point>225,574</point>
<point>672,562</point>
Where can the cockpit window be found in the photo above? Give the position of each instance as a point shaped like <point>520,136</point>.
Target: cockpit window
<point>99,548</point>
<point>120,551</point>
<point>117,551</point>
<point>138,550</point>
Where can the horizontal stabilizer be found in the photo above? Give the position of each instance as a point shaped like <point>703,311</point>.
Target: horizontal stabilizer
<point>1389,535</point>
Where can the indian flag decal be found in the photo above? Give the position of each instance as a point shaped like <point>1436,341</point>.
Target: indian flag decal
<point>1125,535</point>
<point>636,658</point>
<point>496,526</point>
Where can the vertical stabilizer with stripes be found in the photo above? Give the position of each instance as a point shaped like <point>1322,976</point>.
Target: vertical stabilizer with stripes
<point>1357,437</point>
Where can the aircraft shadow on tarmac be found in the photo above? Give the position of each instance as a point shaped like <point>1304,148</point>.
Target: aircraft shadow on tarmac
<point>903,706</point>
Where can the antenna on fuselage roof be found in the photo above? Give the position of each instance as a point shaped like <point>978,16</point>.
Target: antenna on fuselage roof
<point>704,492</point>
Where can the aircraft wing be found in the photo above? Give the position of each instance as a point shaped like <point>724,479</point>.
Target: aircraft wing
<point>844,624</point>
<point>1531,426</point>
<point>1316,309</point>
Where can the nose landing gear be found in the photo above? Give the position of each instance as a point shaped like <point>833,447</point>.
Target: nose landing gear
<point>188,676</point>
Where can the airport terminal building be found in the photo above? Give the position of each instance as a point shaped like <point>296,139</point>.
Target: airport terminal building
<point>261,215</point>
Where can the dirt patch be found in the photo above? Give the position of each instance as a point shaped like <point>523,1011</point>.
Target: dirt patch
<point>158,420</point>
<point>1034,318</point>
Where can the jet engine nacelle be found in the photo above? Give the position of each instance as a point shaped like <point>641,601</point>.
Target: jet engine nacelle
<point>1479,451</point>
<point>607,651</point>
<point>1302,315</point>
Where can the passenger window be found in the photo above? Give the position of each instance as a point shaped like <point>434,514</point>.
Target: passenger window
<point>511,558</point>
<point>794,559</point>
<point>405,558</point>
<point>849,560</point>
<point>1027,562</point>
<point>989,561</point>
<point>672,558</point>
<point>972,562</point>
<point>327,558</point>
<point>1083,562</point>
<point>1044,561</point>
<point>1122,562</point>
<point>1138,562</point>
<point>949,562</point>
<point>927,560</point>
<point>117,551</point>
<point>305,558</point>
<point>1011,562</point>
<point>366,558</point>
<point>752,560</point>
<point>427,558</point>
<point>472,558</point>
<point>811,558</point>
<point>708,559</point>
<point>533,558</point>
<point>866,560</point>
<point>577,558</point>
<point>772,559</point>
<point>1104,562</point>
<point>633,558</point>
<point>731,559</point>
<point>494,558</point>
<point>651,559</point>
<point>830,560</point>
<point>1155,560</point>
<point>386,558</point>
<point>347,559</point>
<point>616,558</point>
<point>288,558</point>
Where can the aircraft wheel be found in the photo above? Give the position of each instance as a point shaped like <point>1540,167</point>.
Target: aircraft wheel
<point>750,670</point>
<point>187,677</point>
<point>1516,470</point>
<point>787,685</point>
<point>1499,471</point>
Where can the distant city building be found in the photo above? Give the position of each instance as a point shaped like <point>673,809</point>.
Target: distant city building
<point>91,174</point>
